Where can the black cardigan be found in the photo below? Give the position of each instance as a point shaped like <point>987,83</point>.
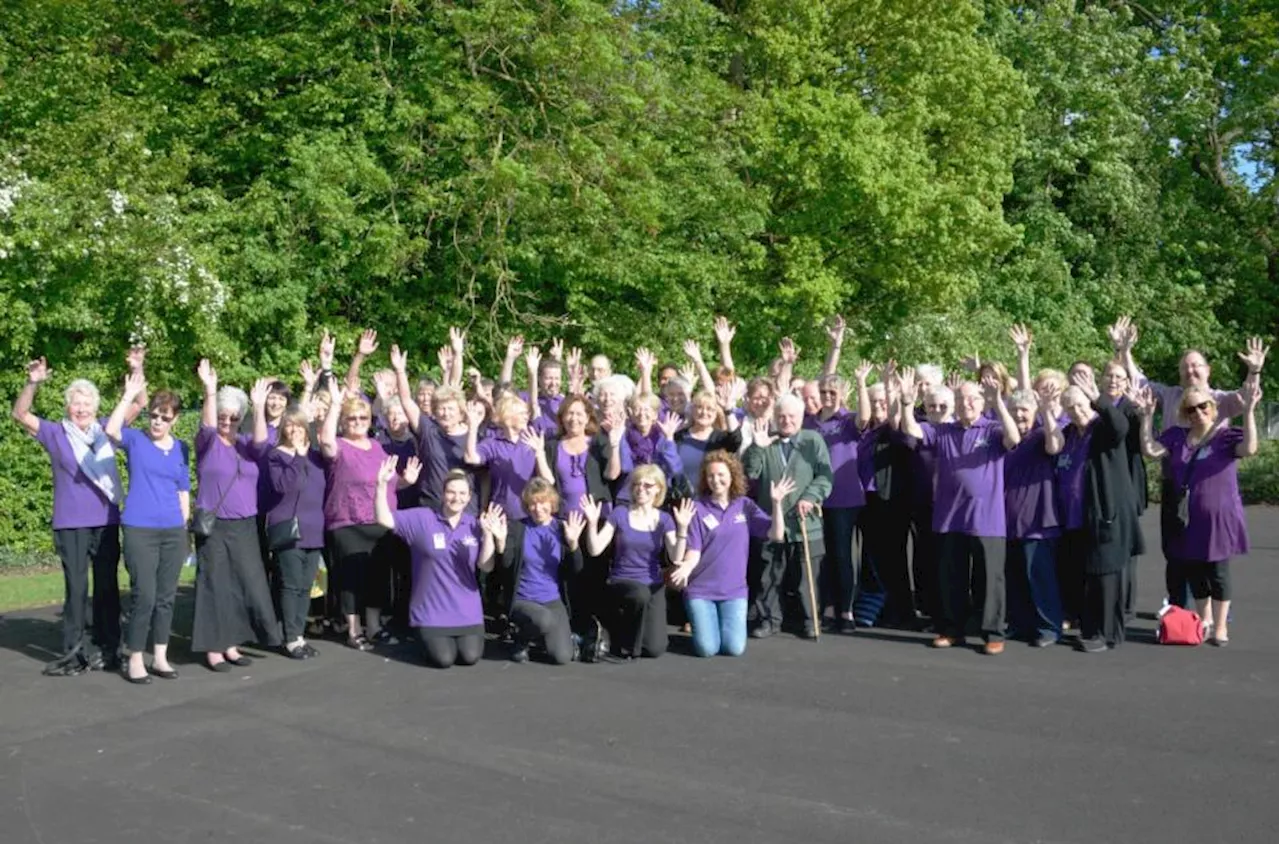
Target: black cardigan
<point>1110,510</point>
<point>512,562</point>
<point>1133,444</point>
<point>730,441</point>
<point>598,451</point>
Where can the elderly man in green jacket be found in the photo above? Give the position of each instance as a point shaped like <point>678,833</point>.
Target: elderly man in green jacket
<point>779,571</point>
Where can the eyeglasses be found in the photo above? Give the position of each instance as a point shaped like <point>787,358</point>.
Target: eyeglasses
<point>160,417</point>
<point>1202,407</point>
<point>228,417</point>
<point>828,393</point>
<point>364,418</point>
<point>646,485</point>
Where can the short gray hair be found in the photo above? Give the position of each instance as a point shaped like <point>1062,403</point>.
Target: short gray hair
<point>1024,398</point>
<point>83,387</point>
<point>232,398</point>
<point>930,372</point>
<point>624,385</point>
<point>789,401</point>
<point>942,393</point>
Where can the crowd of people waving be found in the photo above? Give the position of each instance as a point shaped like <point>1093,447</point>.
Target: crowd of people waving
<point>582,514</point>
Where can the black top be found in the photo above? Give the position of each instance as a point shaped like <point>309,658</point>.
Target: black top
<point>1110,509</point>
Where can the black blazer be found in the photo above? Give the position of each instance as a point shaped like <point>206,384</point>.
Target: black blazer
<point>512,561</point>
<point>1110,509</point>
<point>730,441</point>
<point>1133,444</point>
<point>598,451</point>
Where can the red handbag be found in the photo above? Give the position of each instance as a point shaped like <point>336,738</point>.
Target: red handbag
<point>1179,627</point>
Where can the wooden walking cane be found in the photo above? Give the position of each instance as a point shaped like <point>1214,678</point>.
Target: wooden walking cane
<point>808,574</point>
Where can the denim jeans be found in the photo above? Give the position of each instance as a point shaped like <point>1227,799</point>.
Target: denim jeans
<point>719,627</point>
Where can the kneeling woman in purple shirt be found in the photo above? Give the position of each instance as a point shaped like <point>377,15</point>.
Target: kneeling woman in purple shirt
<point>296,474</point>
<point>155,524</point>
<point>714,570</point>
<point>233,601</point>
<point>445,549</point>
<point>1201,460</point>
<point>635,604</point>
<point>541,553</point>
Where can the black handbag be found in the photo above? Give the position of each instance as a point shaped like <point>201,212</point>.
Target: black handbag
<point>1182,499</point>
<point>202,520</point>
<point>288,533</point>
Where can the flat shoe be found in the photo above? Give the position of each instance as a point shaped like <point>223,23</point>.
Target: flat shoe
<point>359,643</point>
<point>310,650</point>
<point>299,652</point>
<point>171,674</point>
<point>218,667</point>
<point>240,661</point>
<point>144,680</point>
<point>70,665</point>
<point>1220,642</point>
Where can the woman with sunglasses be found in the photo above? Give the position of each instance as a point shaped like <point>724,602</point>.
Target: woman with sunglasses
<point>155,517</point>
<point>634,608</point>
<point>233,600</point>
<point>709,430</point>
<point>355,535</point>
<point>1201,460</point>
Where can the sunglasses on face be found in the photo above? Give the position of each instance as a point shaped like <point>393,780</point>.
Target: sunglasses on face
<point>1202,407</point>
<point>228,418</point>
<point>358,418</point>
<point>160,417</point>
<point>646,485</point>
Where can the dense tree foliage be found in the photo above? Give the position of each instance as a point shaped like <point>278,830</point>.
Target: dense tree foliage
<point>226,178</point>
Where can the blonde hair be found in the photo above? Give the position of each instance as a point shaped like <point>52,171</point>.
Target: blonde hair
<point>353,403</point>
<point>505,405</point>
<point>704,399</point>
<point>649,472</point>
<point>1050,376</point>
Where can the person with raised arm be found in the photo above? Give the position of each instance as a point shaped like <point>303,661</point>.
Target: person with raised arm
<point>713,573</point>
<point>447,548</point>
<point>514,456</point>
<point>542,554</point>
<point>969,506</point>
<point>705,380</point>
<point>1200,453</point>
<point>156,511</point>
<point>646,440</point>
<point>233,601</point>
<point>361,547</point>
<point>365,346</point>
<point>634,607</point>
<point>1117,385</point>
<point>87,492</point>
<point>788,450</point>
<point>1096,509</point>
<point>709,430</point>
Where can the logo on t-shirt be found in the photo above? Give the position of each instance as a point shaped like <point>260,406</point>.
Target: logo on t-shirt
<point>469,541</point>
<point>1064,461</point>
<point>741,518</point>
<point>980,441</point>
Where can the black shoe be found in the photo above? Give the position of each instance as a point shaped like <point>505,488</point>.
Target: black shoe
<point>144,680</point>
<point>847,625</point>
<point>311,652</point>
<point>520,654</point>
<point>808,631</point>
<point>241,661</point>
<point>171,674</point>
<point>763,630</point>
<point>1092,646</point>
<point>68,665</point>
<point>359,643</point>
<point>218,667</point>
<point>299,652</point>
<point>1045,641</point>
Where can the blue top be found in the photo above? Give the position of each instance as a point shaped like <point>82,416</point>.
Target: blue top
<point>543,552</point>
<point>156,477</point>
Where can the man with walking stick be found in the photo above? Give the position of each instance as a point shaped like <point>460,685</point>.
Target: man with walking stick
<point>781,578</point>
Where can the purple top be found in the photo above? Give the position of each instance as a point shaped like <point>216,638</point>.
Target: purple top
<point>637,554</point>
<point>445,592</point>
<point>265,495</point>
<point>440,453</point>
<point>1070,466</point>
<point>664,457</point>
<point>1031,502</point>
<point>156,477</point>
<point>77,501</point>
<point>540,572</point>
<point>228,473</point>
<point>295,486</point>
<point>969,477</point>
<point>550,405</point>
<point>723,536</point>
<point>511,466</point>
<point>1169,397</point>
<point>1215,524</point>
<point>842,435</point>
<point>691,452</point>
<point>571,472</point>
<point>352,479</point>
<point>403,450</point>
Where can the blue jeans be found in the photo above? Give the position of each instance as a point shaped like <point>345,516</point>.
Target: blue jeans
<point>1035,605</point>
<point>719,627</point>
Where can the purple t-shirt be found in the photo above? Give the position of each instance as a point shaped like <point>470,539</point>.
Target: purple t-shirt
<point>403,450</point>
<point>352,479</point>
<point>969,477</point>
<point>723,536</point>
<point>511,466</point>
<point>691,452</point>
<point>445,592</point>
<point>1215,524</point>
<point>540,572</point>
<point>295,487</point>
<point>77,501</point>
<point>228,474</point>
<point>665,458</point>
<point>440,453</point>
<point>1070,466</point>
<point>156,477</point>
<point>637,554</point>
<point>842,434</point>
<point>1031,502</point>
<point>571,475</point>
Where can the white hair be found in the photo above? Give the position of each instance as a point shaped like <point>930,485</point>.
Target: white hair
<point>930,372</point>
<point>677,381</point>
<point>942,393</point>
<point>1073,393</point>
<point>1024,398</point>
<point>624,386</point>
<point>877,390</point>
<point>233,399</point>
<point>790,402</point>
<point>83,387</point>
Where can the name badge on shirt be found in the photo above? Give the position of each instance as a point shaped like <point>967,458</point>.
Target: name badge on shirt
<point>710,521</point>
<point>438,541</point>
<point>1202,453</point>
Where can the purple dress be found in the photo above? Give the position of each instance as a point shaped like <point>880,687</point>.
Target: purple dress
<point>1215,524</point>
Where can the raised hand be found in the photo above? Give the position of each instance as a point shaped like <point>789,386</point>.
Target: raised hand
<point>368,343</point>
<point>1145,401</point>
<point>887,371</point>
<point>259,392</point>
<point>387,470</point>
<point>788,351</point>
<point>1254,355</point>
<point>692,350</point>
<point>208,376</point>
<point>683,514</point>
<point>863,370</point>
<point>836,330</point>
<point>1048,398</point>
<point>557,349</point>
<point>573,528</point>
<point>992,389</point>
<point>782,487</point>
<point>574,358</point>
<point>134,385</point>
<point>399,359</point>
<point>1085,381</point>
<point>1021,337</point>
<point>445,357</point>
<point>669,424</point>
<point>760,434</point>
<point>972,363</point>
<point>533,439</point>
<point>475,414</point>
<point>1119,333</point>
<point>136,357</point>
<point>384,383</point>
<point>645,359</point>
<point>38,371</point>
<point>412,469</point>
<point>908,387</point>
<point>590,509</point>
<point>327,344</point>
<point>577,379</point>
<point>689,374</point>
<point>724,331</point>
<point>955,381</point>
<point>494,523</point>
<point>615,426</point>
<point>515,347</point>
<point>1252,395</point>
<point>532,359</point>
<point>309,375</point>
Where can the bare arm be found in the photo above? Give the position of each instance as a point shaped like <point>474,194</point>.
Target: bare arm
<point>1054,439</point>
<point>381,509</point>
<point>475,416</point>
<point>995,399</point>
<point>134,385</point>
<point>694,352</point>
<point>724,340</point>
<point>184,504</point>
<point>399,365</point>
<point>367,345</point>
<point>598,536</point>
<point>1021,337</point>
<point>259,398</point>
<point>789,354</point>
<point>136,358</point>
<point>836,332</point>
<point>457,342</point>
<point>209,378</point>
<point>328,433</point>
<point>1248,446</point>
<point>644,363</point>
<point>37,373</point>
<point>514,348</point>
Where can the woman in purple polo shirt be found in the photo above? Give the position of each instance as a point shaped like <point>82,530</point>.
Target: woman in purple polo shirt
<point>86,517</point>
<point>713,572</point>
<point>635,604</point>
<point>542,553</point>
<point>355,535</point>
<point>1201,459</point>
<point>514,457</point>
<point>447,548</point>
<point>233,601</point>
<point>441,434</point>
<point>156,511</point>
<point>297,480</point>
<point>645,442</point>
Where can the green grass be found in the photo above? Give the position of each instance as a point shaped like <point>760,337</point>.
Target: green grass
<point>44,588</point>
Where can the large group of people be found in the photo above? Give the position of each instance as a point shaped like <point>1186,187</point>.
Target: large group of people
<point>582,514</point>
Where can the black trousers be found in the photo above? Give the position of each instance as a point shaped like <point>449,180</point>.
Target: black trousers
<point>82,550</point>
<point>972,580</point>
<point>358,571</point>
<point>153,558</point>
<point>445,651</point>
<point>840,564</point>
<point>295,572</point>
<point>924,565</point>
<point>1103,614</point>
<point>548,622</point>
<point>780,583</point>
<point>1131,589</point>
<point>1072,552</point>
<point>1202,579</point>
<point>884,529</point>
<point>233,601</point>
<point>635,614</point>
<point>586,597</point>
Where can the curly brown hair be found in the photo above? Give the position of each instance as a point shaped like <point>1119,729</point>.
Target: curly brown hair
<point>737,478</point>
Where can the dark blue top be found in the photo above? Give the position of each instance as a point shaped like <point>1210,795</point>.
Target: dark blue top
<point>156,477</point>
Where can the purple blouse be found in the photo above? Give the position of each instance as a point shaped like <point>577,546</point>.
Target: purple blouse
<point>77,502</point>
<point>228,474</point>
<point>352,479</point>
<point>1215,525</point>
<point>637,554</point>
